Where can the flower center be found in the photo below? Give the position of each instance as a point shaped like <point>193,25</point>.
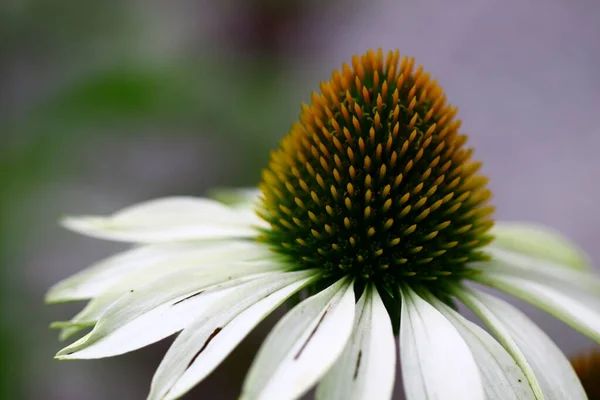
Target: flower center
<point>375,181</point>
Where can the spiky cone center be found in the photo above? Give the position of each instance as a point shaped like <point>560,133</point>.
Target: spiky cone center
<point>587,367</point>
<point>375,180</point>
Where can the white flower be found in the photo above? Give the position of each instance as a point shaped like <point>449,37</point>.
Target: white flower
<point>186,274</point>
<point>385,243</point>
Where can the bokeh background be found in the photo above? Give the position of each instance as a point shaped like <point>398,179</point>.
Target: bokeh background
<point>107,103</point>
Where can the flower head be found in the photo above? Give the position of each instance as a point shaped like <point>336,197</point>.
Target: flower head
<point>373,210</point>
<point>375,181</point>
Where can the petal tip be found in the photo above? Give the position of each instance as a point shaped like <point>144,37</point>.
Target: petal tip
<point>63,292</point>
<point>82,224</point>
<point>64,354</point>
<point>57,295</point>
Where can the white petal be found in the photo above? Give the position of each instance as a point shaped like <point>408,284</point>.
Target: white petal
<point>508,262</point>
<point>150,260</point>
<point>245,201</point>
<point>201,347</point>
<point>539,241</point>
<point>502,378</point>
<point>303,345</point>
<point>198,270</point>
<point>436,361</point>
<point>580,310</point>
<point>103,340</point>
<point>366,368</point>
<point>549,372</point>
<point>169,220</point>
<point>150,327</point>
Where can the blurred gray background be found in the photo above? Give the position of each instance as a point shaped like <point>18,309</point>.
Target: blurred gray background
<point>103,104</point>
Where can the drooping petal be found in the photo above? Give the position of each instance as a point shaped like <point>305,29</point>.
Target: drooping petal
<point>538,269</point>
<point>502,378</point>
<point>539,242</point>
<point>150,327</point>
<point>169,220</point>
<point>157,273</point>
<point>150,260</point>
<point>436,361</point>
<point>366,368</point>
<point>303,345</point>
<point>580,310</point>
<point>547,369</point>
<point>200,348</point>
<point>103,340</point>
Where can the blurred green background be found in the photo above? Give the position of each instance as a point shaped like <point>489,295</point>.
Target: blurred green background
<point>104,104</point>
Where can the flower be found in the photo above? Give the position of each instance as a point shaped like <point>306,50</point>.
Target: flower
<point>373,211</point>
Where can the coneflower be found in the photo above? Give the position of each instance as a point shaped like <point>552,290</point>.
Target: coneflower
<point>374,206</point>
